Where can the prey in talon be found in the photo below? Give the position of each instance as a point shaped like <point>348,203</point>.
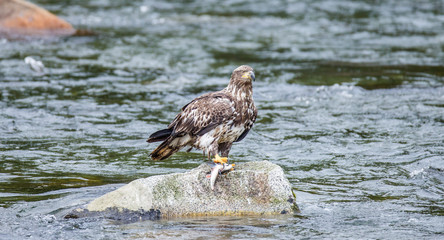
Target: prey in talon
<point>212,122</point>
<point>216,170</point>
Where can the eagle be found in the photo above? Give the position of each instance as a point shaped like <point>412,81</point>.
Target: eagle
<point>211,122</point>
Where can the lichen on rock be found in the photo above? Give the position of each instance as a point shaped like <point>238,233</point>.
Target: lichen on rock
<point>254,188</point>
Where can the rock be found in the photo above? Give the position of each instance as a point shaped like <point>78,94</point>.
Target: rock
<point>120,215</point>
<point>254,188</point>
<point>21,18</point>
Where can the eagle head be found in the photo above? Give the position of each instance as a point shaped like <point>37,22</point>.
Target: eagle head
<point>243,73</point>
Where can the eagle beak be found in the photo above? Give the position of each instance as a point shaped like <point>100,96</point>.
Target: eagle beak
<point>249,75</point>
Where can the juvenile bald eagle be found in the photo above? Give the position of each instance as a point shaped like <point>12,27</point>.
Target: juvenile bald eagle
<point>213,121</point>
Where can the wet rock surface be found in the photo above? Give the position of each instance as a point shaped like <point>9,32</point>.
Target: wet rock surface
<point>119,215</point>
<point>254,188</point>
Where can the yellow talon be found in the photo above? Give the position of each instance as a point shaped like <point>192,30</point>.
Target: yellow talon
<point>219,159</point>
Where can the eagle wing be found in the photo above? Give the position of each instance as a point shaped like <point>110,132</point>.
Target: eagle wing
<point>204,114</point>
<point>251,118</point>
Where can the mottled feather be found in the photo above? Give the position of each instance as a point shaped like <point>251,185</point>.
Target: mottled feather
<point>203,114</point>
<point>213,121</point>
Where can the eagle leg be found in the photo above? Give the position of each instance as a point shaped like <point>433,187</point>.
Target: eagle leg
<point>219,159</point>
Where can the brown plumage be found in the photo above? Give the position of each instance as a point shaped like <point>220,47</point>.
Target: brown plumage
<point>213,121</point>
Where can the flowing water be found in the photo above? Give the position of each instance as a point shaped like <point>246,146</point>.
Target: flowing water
<point>350,97</point>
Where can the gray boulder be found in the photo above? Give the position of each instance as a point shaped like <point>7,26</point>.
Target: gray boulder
<point>253,188</point>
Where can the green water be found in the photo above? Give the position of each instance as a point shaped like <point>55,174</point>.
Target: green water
<point>350,97</point>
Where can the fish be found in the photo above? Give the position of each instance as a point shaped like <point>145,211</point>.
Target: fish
<point>218,169</point>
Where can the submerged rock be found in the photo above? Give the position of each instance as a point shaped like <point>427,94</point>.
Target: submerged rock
<point>119,215</point>
<point>254,188</point>
<point>21,18</point>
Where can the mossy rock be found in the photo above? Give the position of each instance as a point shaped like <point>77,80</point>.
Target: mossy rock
<point>254,188</point>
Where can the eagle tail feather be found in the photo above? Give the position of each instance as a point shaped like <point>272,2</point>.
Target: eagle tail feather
<point>164,150</point>
<point>160,135</point>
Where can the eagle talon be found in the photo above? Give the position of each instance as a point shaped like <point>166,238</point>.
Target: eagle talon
<point>219,159</point>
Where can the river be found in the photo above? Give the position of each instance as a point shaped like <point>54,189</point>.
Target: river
<point>350,97</point>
